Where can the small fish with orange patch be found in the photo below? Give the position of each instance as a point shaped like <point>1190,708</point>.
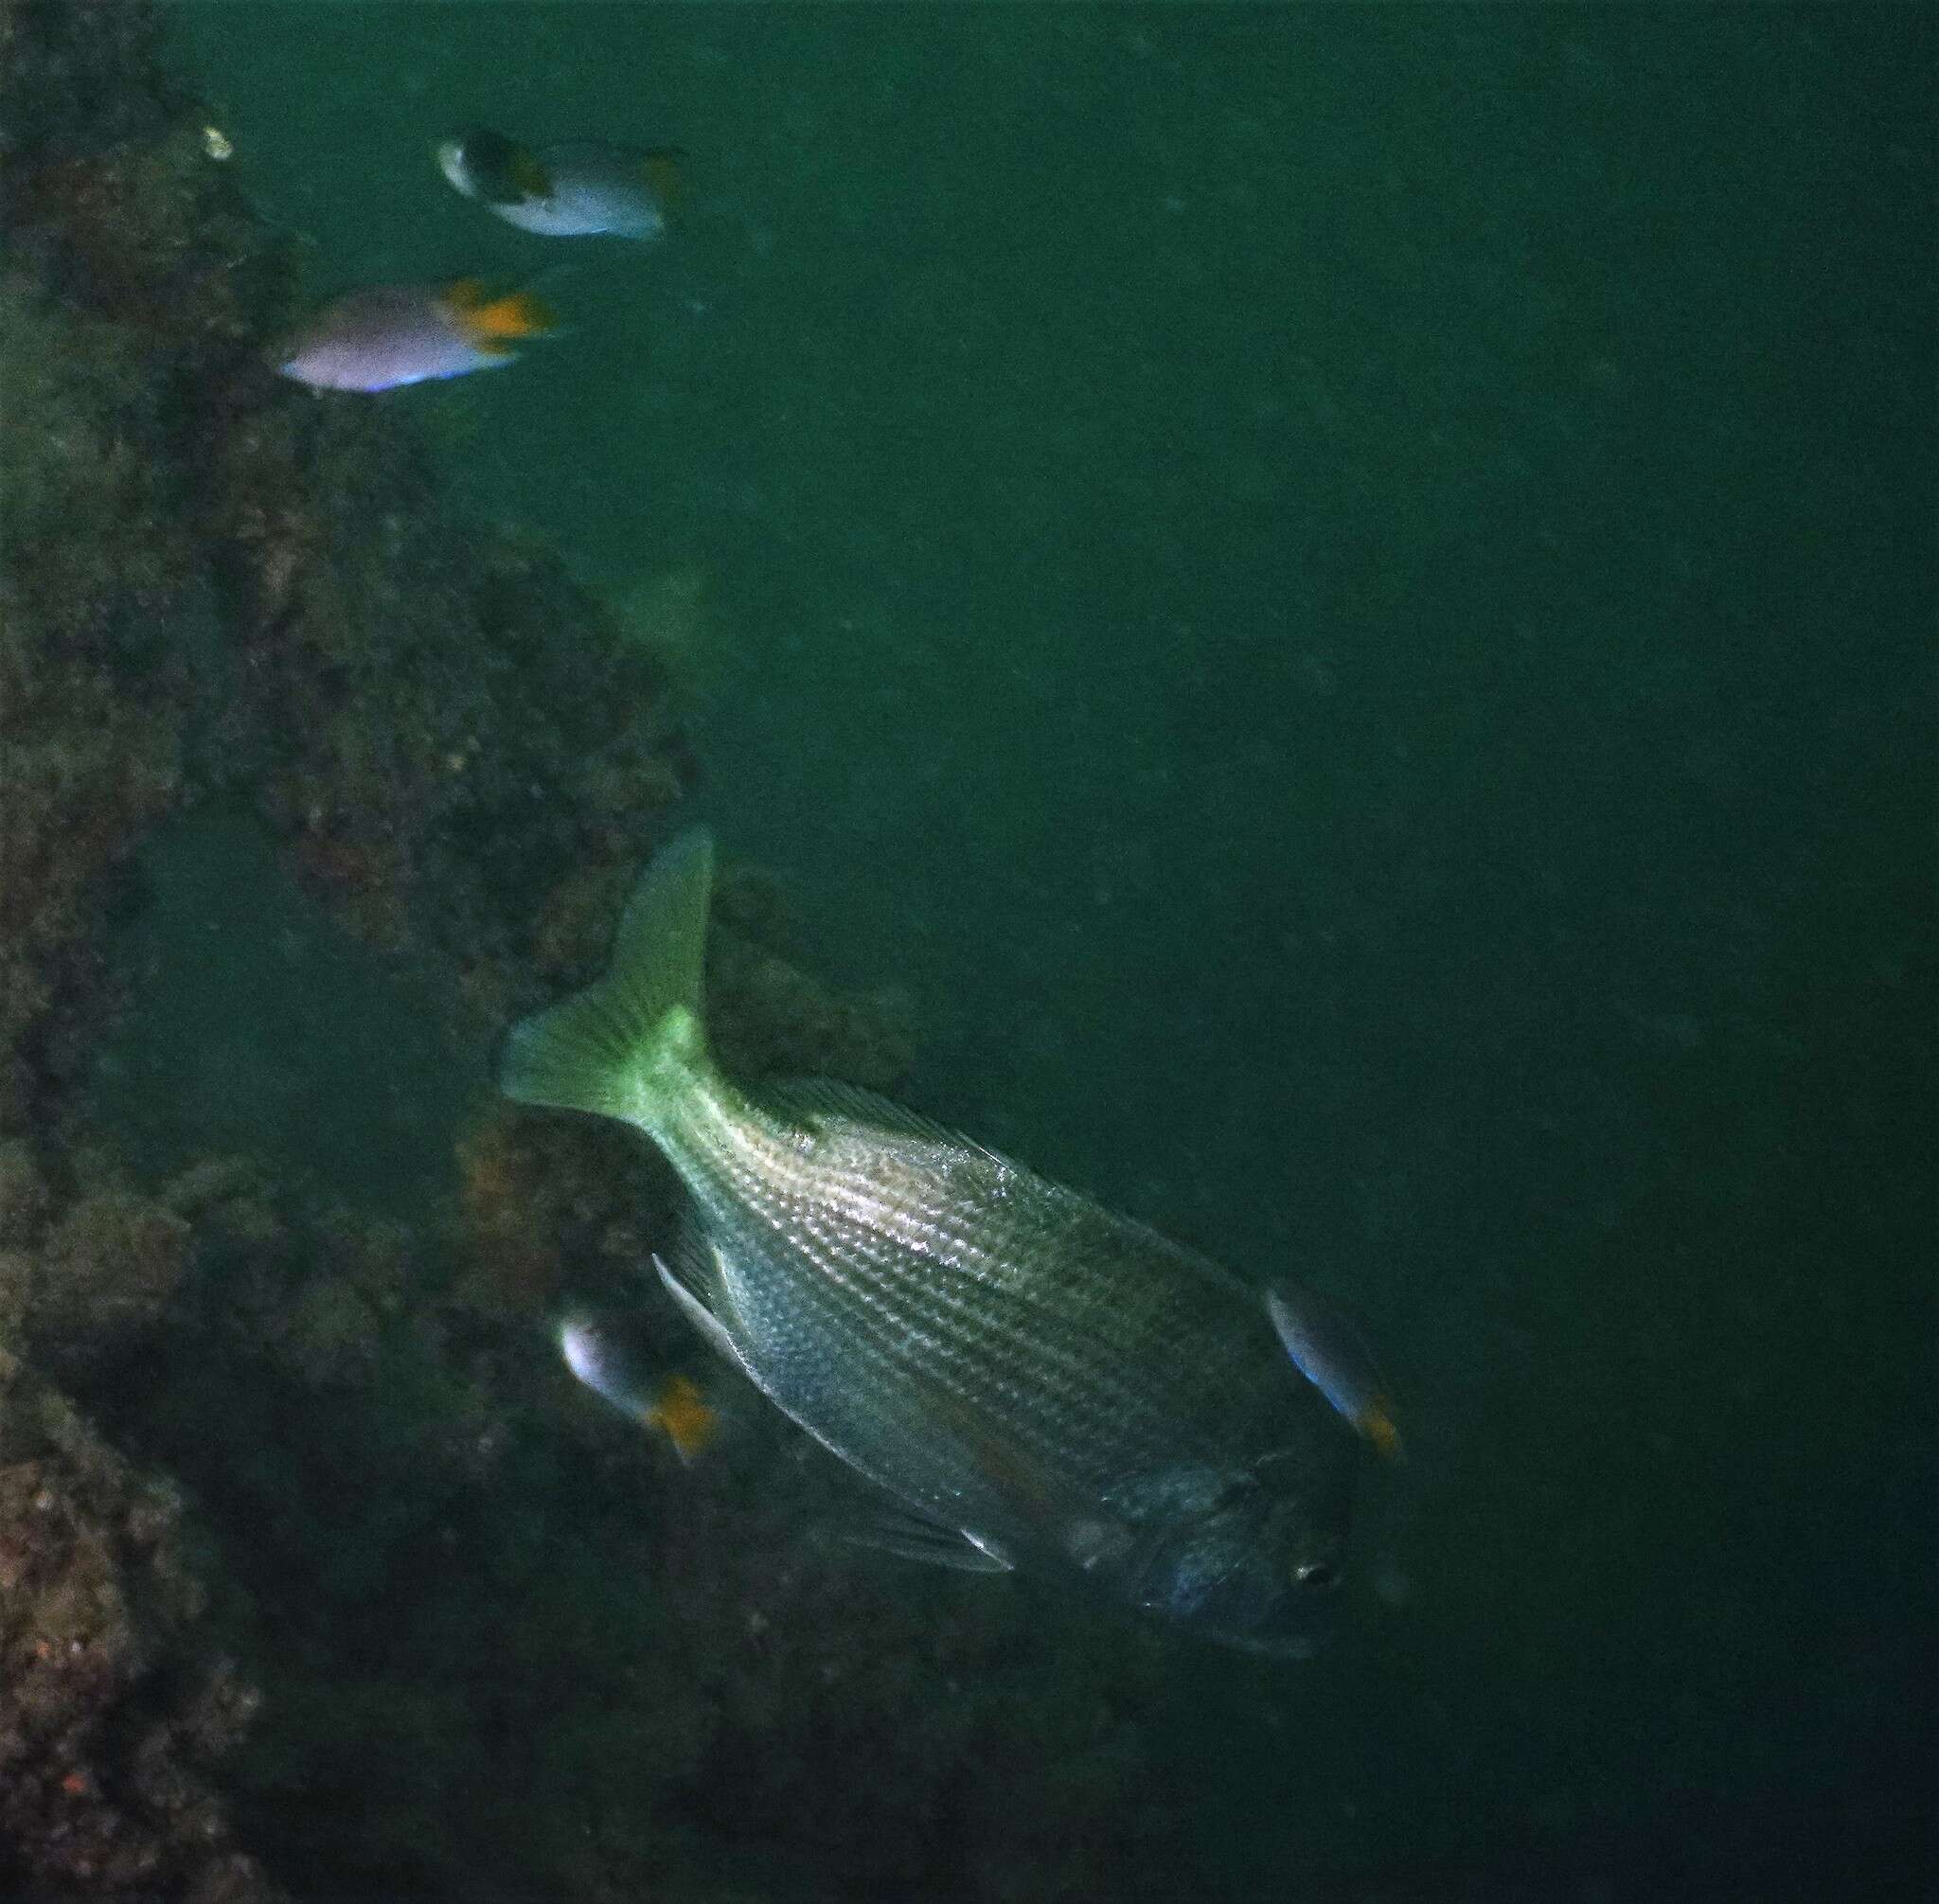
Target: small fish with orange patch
<point>597,1351</point>
<point>388,335</point>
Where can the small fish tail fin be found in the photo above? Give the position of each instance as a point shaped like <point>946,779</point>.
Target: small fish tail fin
<point>663,170</point>
<point>599,1050</point>
<point>492,320</point>
<point>518,313</point>
<point>684,1416</point>
<point>1377,1425</point>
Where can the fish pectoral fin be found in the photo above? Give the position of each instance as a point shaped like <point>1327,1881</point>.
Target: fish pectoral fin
<point>912,1536</point>
<point>693,1280</point>
<point>526,180</point>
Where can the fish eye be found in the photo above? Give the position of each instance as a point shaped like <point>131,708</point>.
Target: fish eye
<point>1315,1574</point>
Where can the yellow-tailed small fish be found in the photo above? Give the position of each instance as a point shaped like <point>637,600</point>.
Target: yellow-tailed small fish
<point>1332,1357</point>
<point>597,1351</point>
<point>581,189</point>
<point>392,334</point>
<point>1039,1383</point>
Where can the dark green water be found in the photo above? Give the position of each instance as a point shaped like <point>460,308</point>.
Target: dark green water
<point>1345,595</point>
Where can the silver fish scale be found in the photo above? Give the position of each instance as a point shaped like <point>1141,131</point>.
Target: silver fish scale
<point>948,1323</point>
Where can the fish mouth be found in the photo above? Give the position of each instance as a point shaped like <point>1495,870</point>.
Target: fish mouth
<point>1236,1607</point>
<point>1259,1571</point>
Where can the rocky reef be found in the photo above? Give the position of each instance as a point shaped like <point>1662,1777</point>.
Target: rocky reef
<point>318,1579</point>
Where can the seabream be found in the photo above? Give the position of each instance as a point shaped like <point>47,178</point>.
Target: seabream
<point>1040,1384</point>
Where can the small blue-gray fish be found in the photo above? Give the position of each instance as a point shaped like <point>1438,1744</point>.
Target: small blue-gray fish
<point>1332,1357</point>
<point>1039,1383</point>
<point>392,334</point>
<point>580,189</point>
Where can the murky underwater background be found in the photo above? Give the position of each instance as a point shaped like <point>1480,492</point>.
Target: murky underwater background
<point>1340,600</point>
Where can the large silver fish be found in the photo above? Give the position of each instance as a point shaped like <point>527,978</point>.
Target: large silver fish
<point>1040,1384</point>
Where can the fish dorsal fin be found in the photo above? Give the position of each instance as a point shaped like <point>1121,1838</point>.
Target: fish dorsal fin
<point>811,1100</point>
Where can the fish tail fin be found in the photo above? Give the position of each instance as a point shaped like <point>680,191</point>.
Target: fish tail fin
<point>663,170</point>
<point>489,320</point>
<point>684,1416</point>
<point>600,1051</point>
<point>1377,1425</point>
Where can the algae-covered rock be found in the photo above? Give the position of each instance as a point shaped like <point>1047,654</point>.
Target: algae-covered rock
<point>114,1712</point>
<point>107,1269</point>
<point>313,1562</point>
